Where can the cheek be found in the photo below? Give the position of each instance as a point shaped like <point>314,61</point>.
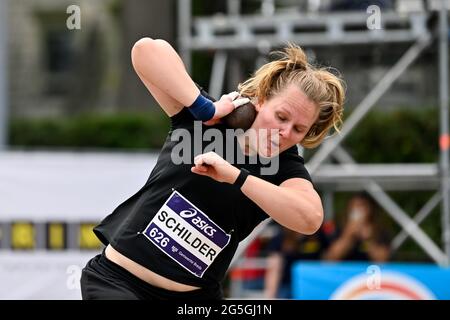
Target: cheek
<point>295,138</point>
<point>261,121</point>
<point>300,138</point>
<point>269,121</point>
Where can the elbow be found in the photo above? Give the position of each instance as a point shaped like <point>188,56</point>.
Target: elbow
<point>141,48</point>
<point>147,51</point>
<point>143,43</point>
<point>313,223</point>
<point>149,47</point>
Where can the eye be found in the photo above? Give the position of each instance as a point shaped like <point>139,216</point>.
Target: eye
<point>297,130</point>
<point>280,117</point>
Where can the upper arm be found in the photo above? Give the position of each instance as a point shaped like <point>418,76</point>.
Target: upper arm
<point>305,188</point>
<point>165,101</point>
<point>144,69</point>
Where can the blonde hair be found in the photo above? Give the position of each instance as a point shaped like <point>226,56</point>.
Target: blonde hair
<point>321,86</point>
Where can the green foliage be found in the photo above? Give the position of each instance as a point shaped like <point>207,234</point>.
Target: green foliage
<point>201,68</point>
<point>122,131</point>
<point>399,136</point>
<point>115,7</point>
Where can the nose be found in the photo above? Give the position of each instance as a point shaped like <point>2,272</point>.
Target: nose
<point>286,131</point>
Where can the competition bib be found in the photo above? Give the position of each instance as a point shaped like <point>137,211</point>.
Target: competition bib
<point>186,234</point>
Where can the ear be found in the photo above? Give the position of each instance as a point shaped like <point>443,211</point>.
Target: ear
<point>258,105</point>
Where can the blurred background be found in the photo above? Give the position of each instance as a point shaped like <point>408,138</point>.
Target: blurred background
<point>79,134</point>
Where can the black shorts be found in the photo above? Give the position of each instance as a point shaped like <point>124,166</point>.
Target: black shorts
<point>102,279</point>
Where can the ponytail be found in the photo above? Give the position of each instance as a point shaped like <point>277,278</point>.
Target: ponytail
<point>269,78</point>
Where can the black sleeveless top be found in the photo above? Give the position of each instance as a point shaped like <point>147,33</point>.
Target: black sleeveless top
<point>184,226</point>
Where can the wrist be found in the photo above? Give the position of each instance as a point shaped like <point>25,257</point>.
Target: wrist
<point>234,174</point>
<point>202,108</point>
<point>241,178</point>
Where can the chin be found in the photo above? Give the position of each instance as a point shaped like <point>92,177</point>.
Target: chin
<point>269,153</point>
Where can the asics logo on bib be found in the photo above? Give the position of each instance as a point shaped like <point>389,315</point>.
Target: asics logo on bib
<point>198,221</point>
<point>188,213</point>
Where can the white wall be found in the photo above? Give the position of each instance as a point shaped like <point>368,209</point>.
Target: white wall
<point>67,187</point>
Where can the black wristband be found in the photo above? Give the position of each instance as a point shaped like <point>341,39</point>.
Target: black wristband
<point>241,178</point>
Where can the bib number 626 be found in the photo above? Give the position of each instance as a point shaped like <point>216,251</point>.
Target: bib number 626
<point>159,237</point>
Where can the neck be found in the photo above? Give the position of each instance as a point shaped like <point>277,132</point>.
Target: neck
<point>246,148</point>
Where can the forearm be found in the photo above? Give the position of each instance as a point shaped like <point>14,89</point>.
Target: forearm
<point>294,204</point>
<point>159,63</point>
<point>339,249</point>
<point>295,210</point>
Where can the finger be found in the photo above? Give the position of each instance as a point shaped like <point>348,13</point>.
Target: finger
<point>201,168</point>
<point>211,122</point>
<point>233,95</point>
<point>211,158</point>
<point>240,102</point>
<point>198,160</point>
<point>207,161</point>
<point>202,160</point>
<point>198,168</point>
<point>198,171</point>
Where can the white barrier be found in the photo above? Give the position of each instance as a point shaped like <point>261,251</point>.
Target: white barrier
<point>68,186</point>
<point>41,275</point>
<point>42,187</point>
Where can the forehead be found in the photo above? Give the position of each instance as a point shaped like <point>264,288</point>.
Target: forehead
<point>295,102</point>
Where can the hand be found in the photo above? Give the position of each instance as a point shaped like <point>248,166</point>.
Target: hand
<point>225,105</point>
<point>352,229</point>
<point>366,232</point>
<point>214,166</point>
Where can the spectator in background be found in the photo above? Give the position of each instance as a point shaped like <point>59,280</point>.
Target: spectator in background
<point>247,277</point>
<point>283,250</point>
<point>253,278</point>
<point>363,237</point>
